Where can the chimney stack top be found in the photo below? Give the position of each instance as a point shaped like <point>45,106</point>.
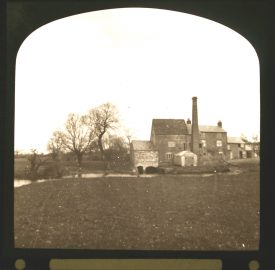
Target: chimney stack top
<point>188,121</point>
<point>219,123</point>
<point>194,98</point>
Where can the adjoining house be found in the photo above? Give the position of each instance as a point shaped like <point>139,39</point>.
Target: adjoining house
<point>239,148</point>
<point>236,148</point>
<point>213,140</point>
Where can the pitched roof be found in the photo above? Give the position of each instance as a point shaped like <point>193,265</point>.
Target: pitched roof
<point>169,126</point>
<point>234,140</point>
<point>211,129</point>
<point>142,145</point>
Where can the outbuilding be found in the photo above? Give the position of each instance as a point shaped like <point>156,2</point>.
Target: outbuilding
<point>143,156</point>
<point>185,158</point>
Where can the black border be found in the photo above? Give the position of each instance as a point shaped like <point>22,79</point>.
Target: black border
<point>251,19</point>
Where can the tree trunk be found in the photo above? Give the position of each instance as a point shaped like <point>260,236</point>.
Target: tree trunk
<point>105,161</point>
<point>101,147</point>
<point>34,166</point>
<point>34,173</point>
<point>79,159</point>
<point>79,156</point>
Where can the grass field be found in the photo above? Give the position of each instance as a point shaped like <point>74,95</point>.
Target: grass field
<point>20,165</point>
<point>179,212</point>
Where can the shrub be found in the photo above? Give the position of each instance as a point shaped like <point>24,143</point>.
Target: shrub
<point>151,170</point>
<point>51,170</point>
<point>160,170</point>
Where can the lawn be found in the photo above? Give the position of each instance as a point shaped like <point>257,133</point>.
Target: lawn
<point>179,212</point>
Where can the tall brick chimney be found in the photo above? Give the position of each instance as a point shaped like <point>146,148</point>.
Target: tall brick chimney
<point>195,137</point>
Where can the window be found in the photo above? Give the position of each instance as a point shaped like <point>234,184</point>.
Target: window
<point>171,144</point>
<point>169,155</point>
<point>219,143</point>
<point>203,142</point>
<point>184,146</point>
<point>228,147</point>
<point>219,135</point>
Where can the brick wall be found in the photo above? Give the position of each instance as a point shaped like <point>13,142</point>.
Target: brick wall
<point>171,144</point>
<point>145,158</point>
<point>211,139</point>
<point>235,150</point>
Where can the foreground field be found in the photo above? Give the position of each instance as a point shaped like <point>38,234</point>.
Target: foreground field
<point>210,212</point>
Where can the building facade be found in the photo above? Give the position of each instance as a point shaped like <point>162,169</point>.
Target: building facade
<point>143,155</point>
<point>236,148</point>
<point>239,148</point>
<point>169,136</point>
<point>213,140</point>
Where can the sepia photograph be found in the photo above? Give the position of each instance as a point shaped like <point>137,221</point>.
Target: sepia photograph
<point>137,129</point>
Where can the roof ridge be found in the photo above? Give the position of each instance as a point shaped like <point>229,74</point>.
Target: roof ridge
<point>168,119</point>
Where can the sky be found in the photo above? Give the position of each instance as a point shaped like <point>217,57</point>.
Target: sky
<point>148,62</point>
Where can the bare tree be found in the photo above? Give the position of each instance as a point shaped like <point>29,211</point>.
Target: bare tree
<point>56,145</point>
<point>78,136</point>
<point>56,148</point>
<point>129,135</point>
<point>253,143</point>
<point>103,119</point>
<point>256,144</point>
<point>17,153</point>
<point>117,148</point>
<point>118,143</point>
<point>255,138</point>
<point>244,138</point>
<point>35,162</point>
